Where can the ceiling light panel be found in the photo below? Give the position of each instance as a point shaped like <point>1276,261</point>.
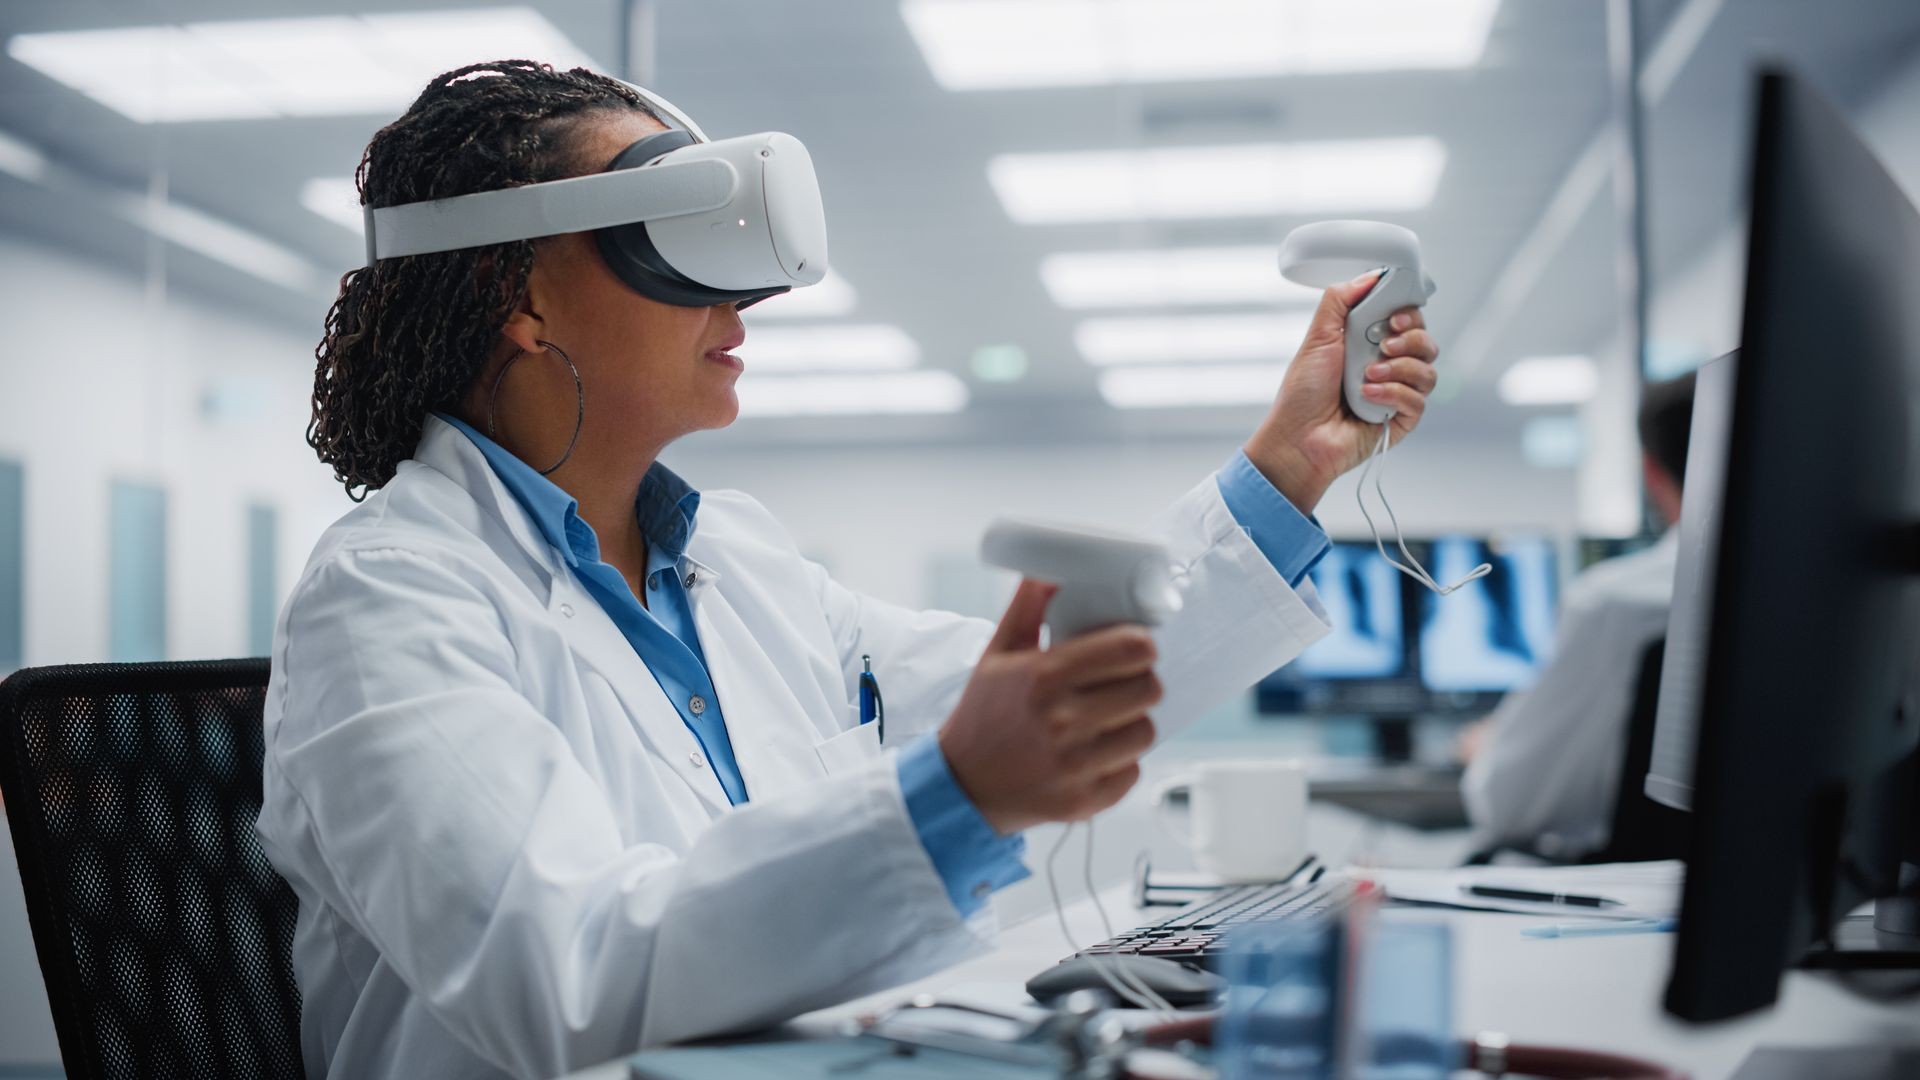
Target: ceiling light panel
<point>1171,277</point>
<point>1182,339</point>
<point>831,296</point>
<point>903,392</point>
<point>1001,44</point>
<point>1248,180</point>
<point>1180,387</point>
<point>1550,380</point>
<point>336,199</point>
<point>858,347</point>
<point>324,66</point>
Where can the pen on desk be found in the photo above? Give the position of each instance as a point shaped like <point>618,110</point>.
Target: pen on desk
<point>1497,892</point>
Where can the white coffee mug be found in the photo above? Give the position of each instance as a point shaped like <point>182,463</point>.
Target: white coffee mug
<point>1246,820</point>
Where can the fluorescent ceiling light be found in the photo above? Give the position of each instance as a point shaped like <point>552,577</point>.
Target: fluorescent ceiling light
<point>1247,180</point>
<point>1549,380</point>
<point>1171,276</point>
<point>22,159</point>
<point>1184,386</point>
<point>1188,338</point>
<point>872,347</point>
<point>995,44</point>
<point>336,199</point>
<point>831,296</point>
<point>321,66</point>
<point>216,238</point>
<point>852,395</point>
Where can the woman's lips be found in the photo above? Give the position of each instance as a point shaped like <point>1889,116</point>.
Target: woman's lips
<point>722,356</point>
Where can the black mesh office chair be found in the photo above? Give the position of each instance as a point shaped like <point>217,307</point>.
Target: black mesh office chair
<point>1643,830</point>
<point>164,936</point>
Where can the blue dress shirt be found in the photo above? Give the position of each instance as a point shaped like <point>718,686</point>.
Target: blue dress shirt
<point>972,860</point>
<point>1291,541</point>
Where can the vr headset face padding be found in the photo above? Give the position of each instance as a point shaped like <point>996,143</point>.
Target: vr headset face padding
<point>720,256</point>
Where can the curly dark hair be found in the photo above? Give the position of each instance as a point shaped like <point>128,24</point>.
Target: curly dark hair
<point>409,335</point>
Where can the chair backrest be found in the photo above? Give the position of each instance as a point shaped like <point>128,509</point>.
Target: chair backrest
<point>164,936</point>
<point>1643,830</point>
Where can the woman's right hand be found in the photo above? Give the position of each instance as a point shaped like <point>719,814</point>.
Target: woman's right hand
<point>1053,735</point>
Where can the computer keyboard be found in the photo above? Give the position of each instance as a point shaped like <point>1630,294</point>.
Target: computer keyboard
<point>1196,933</point>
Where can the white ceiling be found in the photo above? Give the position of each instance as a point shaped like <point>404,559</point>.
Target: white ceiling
<point>915,225</point>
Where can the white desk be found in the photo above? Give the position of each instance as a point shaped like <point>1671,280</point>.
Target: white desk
<point>1601,993</point>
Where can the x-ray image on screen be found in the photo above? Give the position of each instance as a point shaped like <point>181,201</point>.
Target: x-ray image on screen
<point>1495,633</point>
<point>1362,597</point>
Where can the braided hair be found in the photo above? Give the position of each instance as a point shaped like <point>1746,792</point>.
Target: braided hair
<point>408,336</point>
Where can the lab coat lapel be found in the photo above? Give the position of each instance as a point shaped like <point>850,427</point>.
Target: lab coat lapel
<point>600,645</point>
<point>589,632</point>
<point>768,726</point>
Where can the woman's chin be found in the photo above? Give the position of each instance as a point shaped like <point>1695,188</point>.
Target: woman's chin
<point>724,412</point>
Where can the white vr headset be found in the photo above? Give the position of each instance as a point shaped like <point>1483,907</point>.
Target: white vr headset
<point>680,218</point>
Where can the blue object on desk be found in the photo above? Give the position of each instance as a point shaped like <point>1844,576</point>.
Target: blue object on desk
<point>1602,929</point>
<point>1360,997</point>
<point>873,710</point>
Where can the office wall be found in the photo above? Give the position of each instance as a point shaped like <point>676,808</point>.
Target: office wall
<point>103,384</point>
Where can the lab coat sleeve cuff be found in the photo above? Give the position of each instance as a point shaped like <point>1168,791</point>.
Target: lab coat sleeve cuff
<point>973,861</point>
<point>1291,541</point>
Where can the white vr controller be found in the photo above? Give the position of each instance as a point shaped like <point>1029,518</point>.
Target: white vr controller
<point>1104,577</point>
<point>1332,253</point>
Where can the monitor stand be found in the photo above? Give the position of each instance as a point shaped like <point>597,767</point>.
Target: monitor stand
<point>1393,739</point>
<point>1887,940</point>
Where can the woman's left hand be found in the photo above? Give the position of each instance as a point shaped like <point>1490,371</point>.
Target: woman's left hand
<point>1310,437</point>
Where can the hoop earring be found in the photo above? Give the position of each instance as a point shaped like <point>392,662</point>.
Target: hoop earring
<point>579,396</point>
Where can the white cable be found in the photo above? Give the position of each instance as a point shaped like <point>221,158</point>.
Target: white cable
<point>1415,571</point>
<point>1134,978</point>
<point>1125,985</point>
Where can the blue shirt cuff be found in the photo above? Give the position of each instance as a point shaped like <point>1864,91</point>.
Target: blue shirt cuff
<point>973,861</point>
<point>1291,541</point>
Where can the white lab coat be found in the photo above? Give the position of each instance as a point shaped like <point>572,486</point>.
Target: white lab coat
<point>1549,767</point>
<point>510,854</point>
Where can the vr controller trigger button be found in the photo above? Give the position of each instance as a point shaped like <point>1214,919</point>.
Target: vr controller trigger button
<point>1377,332</point>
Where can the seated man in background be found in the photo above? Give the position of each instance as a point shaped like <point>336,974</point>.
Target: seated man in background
<point>1543,769</point>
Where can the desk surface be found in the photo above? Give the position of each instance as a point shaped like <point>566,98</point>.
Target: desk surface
<point>1600,993</point>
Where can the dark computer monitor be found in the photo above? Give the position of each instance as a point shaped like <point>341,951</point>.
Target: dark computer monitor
<point>1788,722</point>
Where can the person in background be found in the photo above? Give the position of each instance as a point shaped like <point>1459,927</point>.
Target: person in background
<point>1543,769</point>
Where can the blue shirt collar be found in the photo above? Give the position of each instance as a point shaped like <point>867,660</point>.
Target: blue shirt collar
<point>665,506</point>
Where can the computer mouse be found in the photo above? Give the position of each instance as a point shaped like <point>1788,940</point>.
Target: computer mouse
<point>1179,984</point>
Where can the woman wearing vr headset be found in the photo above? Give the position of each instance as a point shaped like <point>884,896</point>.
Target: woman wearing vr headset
<point>562,756</point>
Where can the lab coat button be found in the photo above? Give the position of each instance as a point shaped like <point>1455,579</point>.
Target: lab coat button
<point>697,705</point>
<point>694,759</point>
<point>690,579</point>
<point>567,610</point>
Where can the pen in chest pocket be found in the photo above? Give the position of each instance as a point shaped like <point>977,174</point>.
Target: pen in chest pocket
<point>873,710</point>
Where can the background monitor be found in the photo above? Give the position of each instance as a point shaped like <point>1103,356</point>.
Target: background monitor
<point>1803,779</point>
<point>1398,650</point>
<point>1494,634</point>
